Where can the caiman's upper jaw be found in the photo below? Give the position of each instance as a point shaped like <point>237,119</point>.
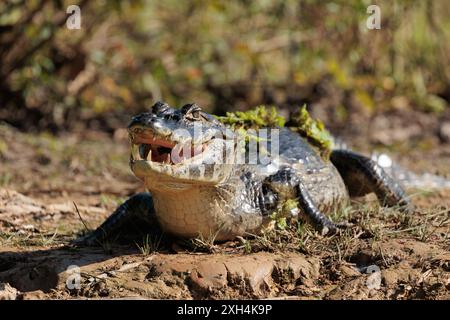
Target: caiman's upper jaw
<point>147,146</point>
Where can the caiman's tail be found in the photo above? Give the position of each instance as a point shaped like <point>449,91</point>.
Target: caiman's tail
<point>409,179</point>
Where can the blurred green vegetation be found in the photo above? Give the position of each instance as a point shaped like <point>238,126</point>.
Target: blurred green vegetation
<point>224,55</point>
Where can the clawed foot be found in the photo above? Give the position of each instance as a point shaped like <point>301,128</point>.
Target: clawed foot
<point>333,228</point>
<point>85,241</point>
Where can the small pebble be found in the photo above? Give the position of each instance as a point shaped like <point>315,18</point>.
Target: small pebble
<point>444,132</point>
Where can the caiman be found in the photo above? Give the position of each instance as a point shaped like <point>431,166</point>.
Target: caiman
<point>202,182</point>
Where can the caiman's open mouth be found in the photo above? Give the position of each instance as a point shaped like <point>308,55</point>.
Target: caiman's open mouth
<point>149,147</point>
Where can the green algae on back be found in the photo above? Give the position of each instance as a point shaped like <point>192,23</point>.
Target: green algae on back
<point>262,117</point>
<point>313,130</point>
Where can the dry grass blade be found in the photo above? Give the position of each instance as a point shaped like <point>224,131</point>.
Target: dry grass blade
<point>81,219</point>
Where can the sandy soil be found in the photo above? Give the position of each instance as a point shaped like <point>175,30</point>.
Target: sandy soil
<point>386,255</point>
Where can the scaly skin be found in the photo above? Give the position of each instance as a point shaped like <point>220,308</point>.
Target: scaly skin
<point>207,197</point>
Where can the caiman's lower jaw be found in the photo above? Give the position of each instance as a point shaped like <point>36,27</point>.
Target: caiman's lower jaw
<point>147,147</point>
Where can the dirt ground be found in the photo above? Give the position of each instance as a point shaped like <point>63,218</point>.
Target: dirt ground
<point>53,189</point>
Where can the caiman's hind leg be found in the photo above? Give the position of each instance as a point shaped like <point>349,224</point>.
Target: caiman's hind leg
<point>139,206</point>
<point>363,175</point>
<point>313,215</point>
<point>285,182</point>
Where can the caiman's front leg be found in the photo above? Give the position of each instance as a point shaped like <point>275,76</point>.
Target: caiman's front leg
<point>362,175</point>
<point>138,206</point>
<point>287,182</point>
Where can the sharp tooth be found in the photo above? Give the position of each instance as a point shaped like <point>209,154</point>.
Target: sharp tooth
<point>135,152</point>
<point>149,155</point>
<point>168,159</point>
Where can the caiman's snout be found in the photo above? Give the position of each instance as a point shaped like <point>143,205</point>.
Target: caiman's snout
<point>160,137</point>
<point>147,121</point>
<point>177,148</point>
<point>150,138</point>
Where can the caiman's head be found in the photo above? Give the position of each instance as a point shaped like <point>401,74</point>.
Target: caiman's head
<point>175,149</point>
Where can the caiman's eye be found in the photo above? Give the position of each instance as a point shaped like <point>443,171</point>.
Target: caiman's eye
<point>195,114</point>
<point>160,107</point>
<point>191,111</point>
